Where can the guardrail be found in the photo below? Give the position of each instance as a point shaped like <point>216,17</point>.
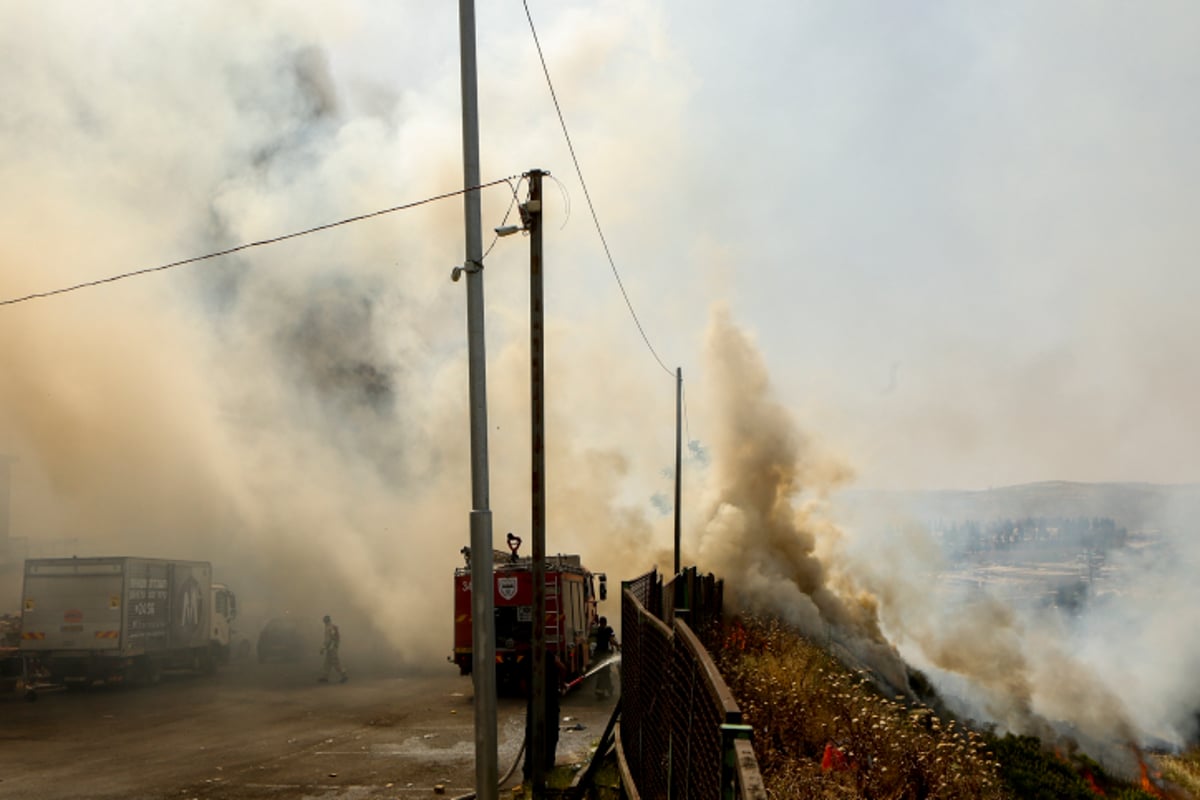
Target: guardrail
<point>681,732</point>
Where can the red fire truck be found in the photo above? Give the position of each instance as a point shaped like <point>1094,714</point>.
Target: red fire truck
<point>571,614</point>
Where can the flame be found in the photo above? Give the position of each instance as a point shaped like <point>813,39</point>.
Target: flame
<point>1148,785</point>
<point>736,637</point>
<point>1091,782</point>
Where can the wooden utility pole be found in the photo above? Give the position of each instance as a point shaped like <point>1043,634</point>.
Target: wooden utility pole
<point>531,216</point>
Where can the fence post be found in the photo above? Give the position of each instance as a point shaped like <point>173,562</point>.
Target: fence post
<point>670,761</point>
<point>729,734</point>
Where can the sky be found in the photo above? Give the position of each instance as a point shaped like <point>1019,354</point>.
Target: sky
<point>949,240</point>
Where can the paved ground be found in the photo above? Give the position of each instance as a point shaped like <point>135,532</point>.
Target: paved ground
<point>264,732</point>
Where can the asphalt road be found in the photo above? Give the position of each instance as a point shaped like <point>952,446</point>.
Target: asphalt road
<point>267,731</point>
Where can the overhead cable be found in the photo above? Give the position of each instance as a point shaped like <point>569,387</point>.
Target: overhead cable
<point>248,245</point>
<point>587,195</point>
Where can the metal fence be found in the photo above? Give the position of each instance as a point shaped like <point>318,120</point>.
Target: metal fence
<point>696,599</point>
<point>681,732</point>
<point>647,590</point>
<point>646,644</point>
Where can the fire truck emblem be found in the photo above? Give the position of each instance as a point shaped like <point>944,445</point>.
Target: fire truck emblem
<point>507,587</point>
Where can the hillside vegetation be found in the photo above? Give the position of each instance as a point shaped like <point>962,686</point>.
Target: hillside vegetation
<point>823,731</point>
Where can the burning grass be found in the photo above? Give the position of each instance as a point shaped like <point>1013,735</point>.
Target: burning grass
<point>823,731</point>
<point>1032,771</point>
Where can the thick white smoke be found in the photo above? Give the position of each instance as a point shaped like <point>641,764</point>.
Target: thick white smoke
<point>1116,675</point>
<point>295,414</point>
<point>1112,669</point>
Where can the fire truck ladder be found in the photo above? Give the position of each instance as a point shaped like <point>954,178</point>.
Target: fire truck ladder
<point>552,617</point>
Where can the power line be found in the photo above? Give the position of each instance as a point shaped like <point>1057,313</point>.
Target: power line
<point>247,246</point>
<point>587,195</point>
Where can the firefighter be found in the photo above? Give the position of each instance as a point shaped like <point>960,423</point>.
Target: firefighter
<point>606,640</point>
<point>333,638</point>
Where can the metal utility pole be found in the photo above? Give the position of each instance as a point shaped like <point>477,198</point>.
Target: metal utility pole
<point>531,216</point>
<point>5,499</point>
<point>483,640</point>
<point>678,456</point>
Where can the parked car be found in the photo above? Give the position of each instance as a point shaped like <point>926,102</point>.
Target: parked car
<point>282,639</point>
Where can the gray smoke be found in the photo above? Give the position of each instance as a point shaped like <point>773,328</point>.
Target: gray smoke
<point>296,414</point>
<point>763,528</point>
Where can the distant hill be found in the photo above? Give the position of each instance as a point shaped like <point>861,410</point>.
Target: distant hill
<point>1136,506</point>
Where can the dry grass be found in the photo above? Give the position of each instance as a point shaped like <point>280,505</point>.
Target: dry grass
<point>801,701</point>
<point>1182,770</point>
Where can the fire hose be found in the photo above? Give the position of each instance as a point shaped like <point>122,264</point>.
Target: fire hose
<point>507,775</point>
<point>615,659</point>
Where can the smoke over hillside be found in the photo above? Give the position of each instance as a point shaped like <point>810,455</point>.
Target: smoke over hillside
<point>764,530</point>
<point>770,530</point>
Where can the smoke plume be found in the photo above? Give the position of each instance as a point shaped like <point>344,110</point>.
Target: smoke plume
<point>769,530</point>
<point>763,529</point>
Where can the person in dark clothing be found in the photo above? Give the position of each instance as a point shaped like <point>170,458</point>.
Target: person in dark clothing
<point>553,667</point>
<point>333,640</point>
<point>605,642</point>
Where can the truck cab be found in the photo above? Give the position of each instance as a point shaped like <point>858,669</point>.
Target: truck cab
<point>224,604</point>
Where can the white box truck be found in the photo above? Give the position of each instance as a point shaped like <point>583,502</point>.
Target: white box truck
<point>115,619</point>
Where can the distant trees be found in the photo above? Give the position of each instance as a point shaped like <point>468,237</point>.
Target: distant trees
<point>963,539</point>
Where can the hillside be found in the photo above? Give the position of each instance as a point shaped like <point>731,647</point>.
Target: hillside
<point>1136,506</point>
<point>823,731</point>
